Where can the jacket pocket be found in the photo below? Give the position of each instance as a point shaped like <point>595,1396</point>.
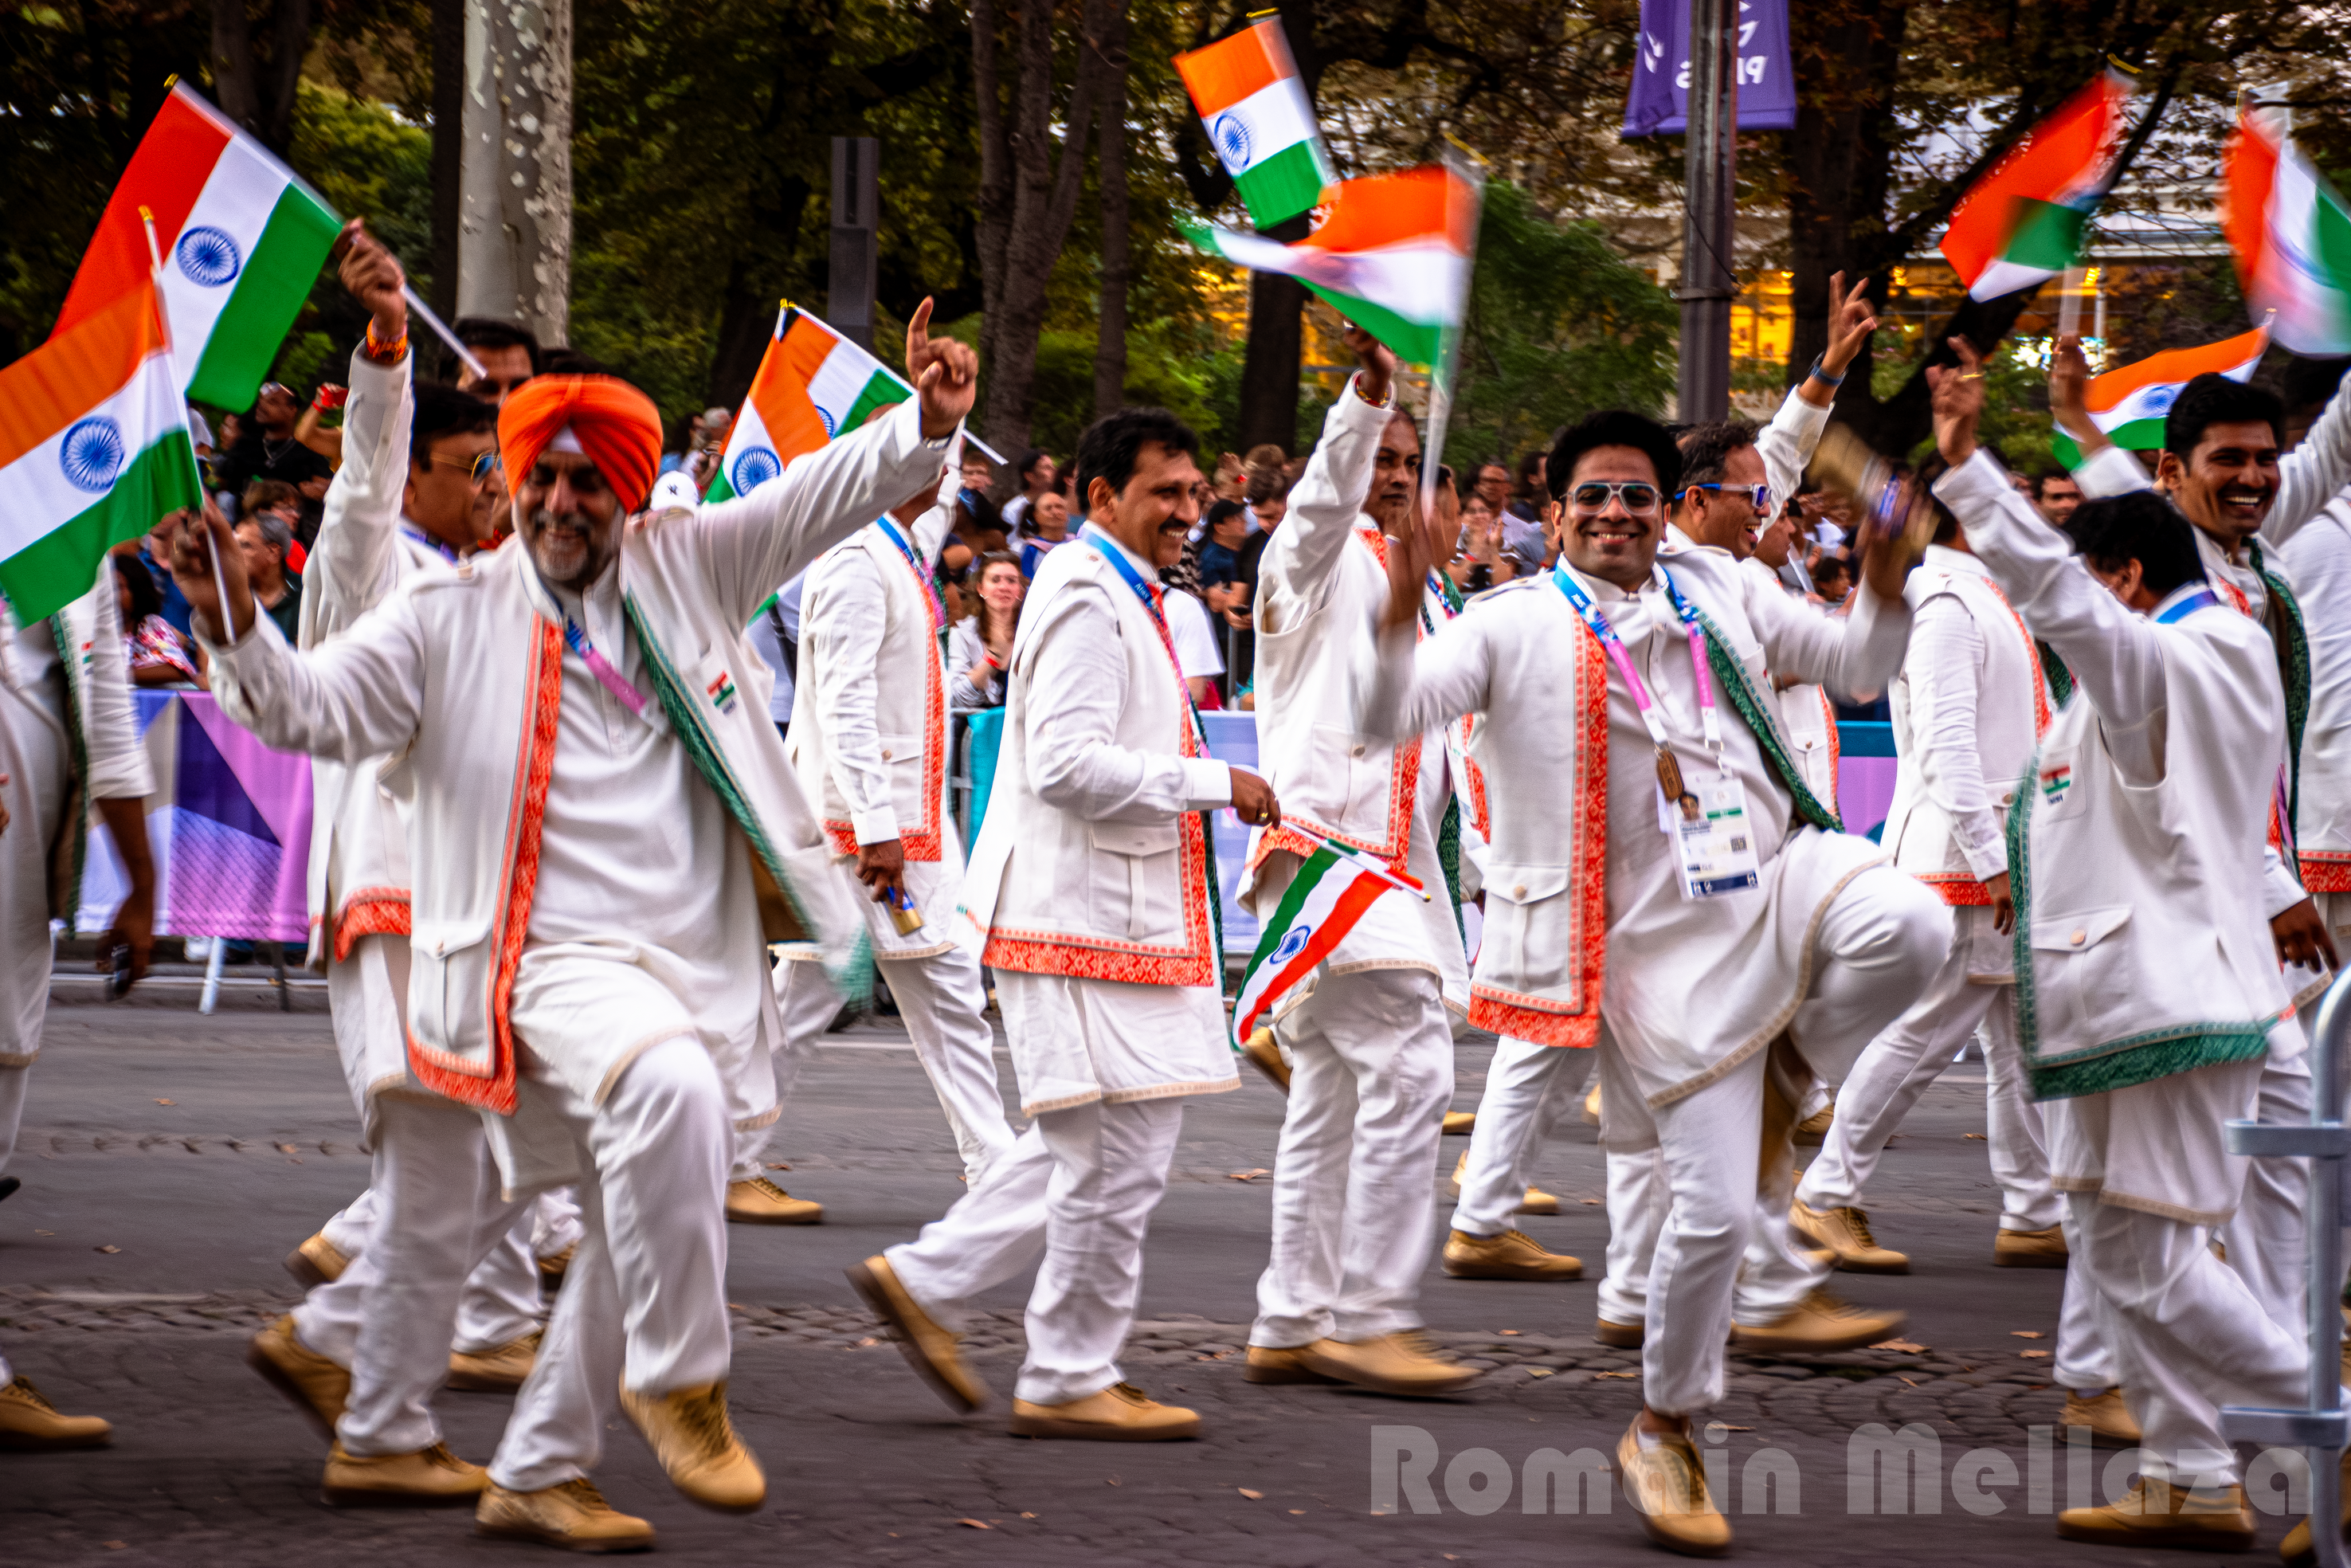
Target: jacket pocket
<point>902,764</point>
<point>449,981</point>
<point>1528,946</point>
<point>2076,968</point>
<point>1352,769</point>
<point>1136,886</point>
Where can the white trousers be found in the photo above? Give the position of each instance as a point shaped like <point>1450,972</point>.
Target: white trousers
<point>2267,1241</point>
<point>2085,1357</point>
<point>1529,1087</point>
<point>1638,1201</point>
<point>941,999</point>
<point>1371,1057</point>
<point>1080,1183</point>
<point>13,1082</point>
<point>2188,1335</point>
<point>501,1301</point>
<point>1877,945</point>
<point>391,1315</point>
<point>644,1300</point>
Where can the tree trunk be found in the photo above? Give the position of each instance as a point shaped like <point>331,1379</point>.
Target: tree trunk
<point>995,224</point>
<point>260,95</point>
<point>234,86</point>
<point>515,237</point>
<point>290,42</point>
<point>1109,173</point>
<point>448,147</point>
<point>1275,352</point>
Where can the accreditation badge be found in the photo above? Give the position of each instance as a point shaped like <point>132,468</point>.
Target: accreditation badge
<point>1714,841</point>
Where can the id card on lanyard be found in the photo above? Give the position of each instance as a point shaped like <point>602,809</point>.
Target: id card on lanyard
<point>1705,821</point>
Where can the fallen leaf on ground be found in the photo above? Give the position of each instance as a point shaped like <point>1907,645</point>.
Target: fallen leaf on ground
<point>1727,1427</point>
<point>1298,1510</point>
<point>285,1148</point>
<point>45,1233</point>
<point>1908,1346</point>
<point>1028,1516</point>
<point>1506,1330</point>
<point>777,1166</point>
<point>167,1102</point>
<point>1905,1380</point>
<point>110,1249</point>
<point>1250,1176</point>
<point>1252,1496</point>
<point>1539,1371</point>
<point>1592,1203</point>
<point>1977,1137</point>
<point>2026,1333</point>
<point>2033,1355</point>
<point>1615,1375</point>
<point>114,1545</point>
<point>864,1342</point>
<point>976,1524</point>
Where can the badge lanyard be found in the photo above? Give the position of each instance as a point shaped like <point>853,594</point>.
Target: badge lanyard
<point>2281,790</point>
<point>938,606</point>
<point>2187,606</point>
<point>1669,770</point>
<point>1149,594</point>
<point>601,668</point>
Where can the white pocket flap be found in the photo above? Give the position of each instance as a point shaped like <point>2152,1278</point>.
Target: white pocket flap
<point>439,938</point>
<point>2077,933</point>
<point>1524,884</point>
<point>1135,838</point>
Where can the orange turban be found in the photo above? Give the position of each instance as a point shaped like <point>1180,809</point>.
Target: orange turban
<point>616,425</point>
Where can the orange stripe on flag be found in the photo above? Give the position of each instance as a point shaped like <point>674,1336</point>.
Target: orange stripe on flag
<point>2174,365</point>
<point>166,174</point>
<point>781,391</point>
<point>1229,71</point>
<point>2249,172</point>
<point>2043,167</point>
<point>75,372</point>
<point>1426,204</point>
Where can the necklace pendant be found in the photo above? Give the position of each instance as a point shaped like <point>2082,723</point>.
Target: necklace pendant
<point>1669,774</point>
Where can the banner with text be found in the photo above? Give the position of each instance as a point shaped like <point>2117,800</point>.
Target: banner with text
<point>1659,102</point>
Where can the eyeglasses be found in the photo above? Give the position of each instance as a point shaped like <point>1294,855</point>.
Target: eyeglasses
<point>479,467</point>
<point>1592,495</point>
<point>1760,494</point>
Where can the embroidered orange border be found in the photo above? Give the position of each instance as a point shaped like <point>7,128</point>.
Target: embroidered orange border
<point>923,844</point>
<point>2323,870</point>
<point>491,1084</point>
<point>371,912</point>
<point>1958,889</point>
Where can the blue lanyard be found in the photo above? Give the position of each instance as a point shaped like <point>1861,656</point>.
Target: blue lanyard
<point>2187,606</point>
<point>938,605</point>
<point>429,542</point>
<point>1117,558</point>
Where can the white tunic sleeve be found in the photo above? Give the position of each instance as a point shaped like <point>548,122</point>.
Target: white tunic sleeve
<point>839,620</point>
<point>351,567</point>
<point>1947,651</point>
<point>1077,689</point>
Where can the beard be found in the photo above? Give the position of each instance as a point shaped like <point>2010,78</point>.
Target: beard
<point>569,551</point>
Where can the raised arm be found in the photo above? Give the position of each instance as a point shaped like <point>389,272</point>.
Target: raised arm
<point>1417,686</point>
<point>1295,571</point>
<point>1786,444</point>
<point>351,567</point>
<point>1856,655</point>
<point>2312,473</point>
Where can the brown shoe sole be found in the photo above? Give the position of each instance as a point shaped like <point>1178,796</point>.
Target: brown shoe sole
<point>2028,1259</point>
<point>483,1382</point>
<point>1763,1341</point>
<point>372,1497</point>
<point>1508,1271</point>
<point>2206,1540</point>
<point>306,1274</point>
<point>733,1217</point>
<point>1620,1336</point>
<point>1103,1431</point>
<point>1418,1388</point>
<point>1253,1372</point>
<point>277,1377</point>
<point>561,1543</point>
<point>34,1443</point>
<point>877,1296</point>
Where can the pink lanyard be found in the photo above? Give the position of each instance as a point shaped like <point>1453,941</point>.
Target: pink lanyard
<point>601,668</point>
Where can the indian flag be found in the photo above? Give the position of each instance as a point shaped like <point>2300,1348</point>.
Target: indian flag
<point>813,384</point>
<point>1390,253</point>
<point>2293,240</point>
<point>1253,103</point>
<point>2023,222</point>
<point>1331,890</point>
<point>93,449</point>
<point>2129,403</point>
<point>242,240</point>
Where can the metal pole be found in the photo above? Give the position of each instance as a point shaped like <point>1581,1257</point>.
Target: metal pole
<point>2321,1428</point>
<point>856,198</point>
<point>1711,151</point>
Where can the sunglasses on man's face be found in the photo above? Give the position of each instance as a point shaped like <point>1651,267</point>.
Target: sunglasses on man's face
<point>1760,495</point>
<point>479,467</point>
<point>1592,495</point>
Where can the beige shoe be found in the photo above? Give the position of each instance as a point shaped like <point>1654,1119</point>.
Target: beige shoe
<point>935,1353</point>
<point>1619,1336</point>
<point>1537,1201</point>
<point>1119,1414</point>
<point>1665,1483</point>
<point>1460,1124</point>
<point>316,1262</point>
<point>572,1515</point>
<point>1405,1363</point>
<point>688,1431</point>
<point>29,1424</point>
<point>314,1385</point>
<point>554,1266</point>
<point>1512,1254</point>
<point>1817,1325</point>
<point>2210,1518</point>
<point>2105,1417</point>
<point>430,1478</point>
<point>1591,1107</point>
<point>1270,1363</point>
<point>1813,1130</point>
<point>761,1202</point>
<point>2295,1550</point>
<point>2030,1248</point>
<point>1266,1057</point>
<point>1845,1233</point>
<point>499,1371</point>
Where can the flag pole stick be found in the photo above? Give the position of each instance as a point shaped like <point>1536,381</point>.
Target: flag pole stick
<point>171,358</point>
<point>2069,301</point>
<point>441,330</point>
<point>1361,863</point>
<point>1462,163</point>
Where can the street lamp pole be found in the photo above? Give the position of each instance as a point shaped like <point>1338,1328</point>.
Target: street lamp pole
<point>1711,148</point>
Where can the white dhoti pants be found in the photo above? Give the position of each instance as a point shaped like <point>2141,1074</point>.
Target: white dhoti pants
<point>34,760</point>
<point>2266,1240</point>
<point>941,999</point>
<point>392,1316</point>
<point>1638,1201</point>
<point>1371,1070</point>
<point>13,1083</point>
<point>644,1300</point>
<point>1878,945</point>
<point>1529,1087</point>
<point>1080,1183</point>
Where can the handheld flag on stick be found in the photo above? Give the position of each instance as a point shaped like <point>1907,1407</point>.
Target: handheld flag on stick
<point>2291,236</point>
<point>2023,222</point>
<point>1253,103</point>
<point>1333,888</point>
<point>2128,403</point>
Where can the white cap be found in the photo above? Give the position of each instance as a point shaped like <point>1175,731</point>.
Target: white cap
<point>672,492</point>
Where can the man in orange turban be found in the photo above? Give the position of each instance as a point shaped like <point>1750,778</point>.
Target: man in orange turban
<point>605,835</point>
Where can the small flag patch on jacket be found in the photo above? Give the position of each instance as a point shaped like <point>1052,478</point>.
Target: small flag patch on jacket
<point>2055,781</point>
<point>721,693</point>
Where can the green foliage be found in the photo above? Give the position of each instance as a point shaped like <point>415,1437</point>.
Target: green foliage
<point>1559,326</point>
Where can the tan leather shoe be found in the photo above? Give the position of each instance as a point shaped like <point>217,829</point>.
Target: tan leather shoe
<point>316,1262</point>
<point>1813,1130</point>
<point>1619,1336</point>
<point>1512,1254</point>
<point>2295,1550</point>
<point>761,1202</point>
<point>688,1431</point>
<point>430,1478</point>
<point>1591,1107</point>
<point>1266,1057</point>
<point>554,1266</point>
<point>1459,1124</point>
<point>935,1353</point>
<point>573,1516</point>
<point>29,1424</point>
<point>499,1371</point>
<point>2211,1518</point>
<point>1845,1233</point>
<point>1537,1201</point>
<point>1119,1414</point>
<point>1270,1363</point>
<point>315,1387</point>
<point>2105,1417</point>
<point>1406,1363</point>
<point>1818,1324</point>
<point>1665,1483</point>
<point>2030,1248</point>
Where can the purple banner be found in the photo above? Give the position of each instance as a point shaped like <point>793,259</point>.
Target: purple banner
<point>1658,104</point>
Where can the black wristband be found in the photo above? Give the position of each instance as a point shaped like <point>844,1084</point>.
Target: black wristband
<point>1482,577</point>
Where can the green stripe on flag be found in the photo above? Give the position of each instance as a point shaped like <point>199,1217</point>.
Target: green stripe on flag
<point>59,567</point>
<point>2043,233</point>
<point>2138,436</point>
<point>2330,245</point>
<point>1284,185</point>
<point>720,490</point>
<point>268,293</point>
<point>879,391</point>
<point>1414,342</point>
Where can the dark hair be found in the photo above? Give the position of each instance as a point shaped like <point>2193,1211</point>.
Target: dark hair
<point>2040,483</point>
<point>1265,474</point>
<point>1217,514</point>
<point>1531,466</point>
<point>2138,526</point>
<point>146,599</point>
<point>1706,449</point>
<point>1613,427</point>
<point>977,569</point>
<point>1028,461</point>
<point>565,360</point>
<point>442,410</point>
<point>2213,399</point>
<point>2310,382</point>
<point>263,493</point>
<point>1110,445</point>
<point>1831,564</point>
<point>490,332</point>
